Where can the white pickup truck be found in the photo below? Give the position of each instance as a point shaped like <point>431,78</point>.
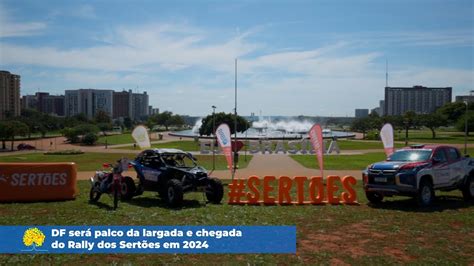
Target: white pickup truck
<point>418,171</point>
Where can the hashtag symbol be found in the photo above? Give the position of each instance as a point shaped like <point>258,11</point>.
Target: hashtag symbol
<point>236,191</point>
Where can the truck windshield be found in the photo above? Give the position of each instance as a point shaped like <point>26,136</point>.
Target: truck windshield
<point>410,155</point>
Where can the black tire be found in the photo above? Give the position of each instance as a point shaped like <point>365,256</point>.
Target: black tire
<point>426,194</point>
<point>128,188</point>
<point>116,194</point>
<point>468,189</point>
<point>214,191</point>
<point>94,194</point>
<point>174,193</point>
<point>374,197</point>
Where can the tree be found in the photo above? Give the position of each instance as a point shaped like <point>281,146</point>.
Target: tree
<point>207,123</point>
<point>72,134</point>
<point>15,128</point>
<point>104,127</point>
<point>102,117</point>
<point>409,121</point>
<point>127,122</point>
<point>4,133</point>
<point>361,125</point>
<point>460,124</point>
<point>453,111</point>
<point>176,120</point>
<point>165,119</point>
<point>433,121</point>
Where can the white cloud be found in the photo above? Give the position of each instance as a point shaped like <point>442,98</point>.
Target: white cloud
<point>327,80</point>
<point>11,28</point>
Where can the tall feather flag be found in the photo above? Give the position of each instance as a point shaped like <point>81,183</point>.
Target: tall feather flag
<point>140,135</point>
<point>223,138</point>
<point>386,134</point>
<point>316,138</point>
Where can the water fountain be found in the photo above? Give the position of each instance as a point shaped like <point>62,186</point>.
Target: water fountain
<point>265,129</point>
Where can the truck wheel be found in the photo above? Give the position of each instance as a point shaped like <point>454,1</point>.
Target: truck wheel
<point>174,193</point>
<point>214,191</point>
<point>468,189</point>
<point>94,194</point>
<point>374,197</point>
<point>128,188</point>
<point>425,194</point>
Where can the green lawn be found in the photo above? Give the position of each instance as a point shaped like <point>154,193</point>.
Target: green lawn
<point>116,139</point>
<point>424,136</point>
<point>347,162</point>
<point>85,162</point>
<point>185,145</point>
<point>362,145</point>
<point>341,162</point>
<point>395,232</point>
<point>93,161</point>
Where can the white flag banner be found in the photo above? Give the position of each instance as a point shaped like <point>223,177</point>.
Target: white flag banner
<point>140,135</point>
<point>223,138</point>
<point>386,134</point>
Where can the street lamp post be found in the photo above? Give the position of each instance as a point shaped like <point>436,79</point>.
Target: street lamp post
<point>213,139</point>
<point>235,124</point>
<point>465,128</point>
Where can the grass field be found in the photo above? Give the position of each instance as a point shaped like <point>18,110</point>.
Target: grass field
<point>93,161</point>
<point>395,232</point>
<point>185,145</point>
<point>116,139</point>
<point>341,162</point>
<point>347,162</point>
<point>362,145</point>
<point>424,136</point>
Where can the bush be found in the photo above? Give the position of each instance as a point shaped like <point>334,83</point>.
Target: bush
<point>372,135</point>
<point>72,134</point>
<point>89,139</point>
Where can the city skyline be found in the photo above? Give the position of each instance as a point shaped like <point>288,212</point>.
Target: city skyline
<point>319,58</point>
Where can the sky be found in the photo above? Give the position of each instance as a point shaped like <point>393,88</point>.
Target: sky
<point>315,58</point>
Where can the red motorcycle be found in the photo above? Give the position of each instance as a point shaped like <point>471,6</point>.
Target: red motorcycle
<point>113,183</point>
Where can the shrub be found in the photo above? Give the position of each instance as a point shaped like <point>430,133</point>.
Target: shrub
<point>72,134</point>
<point>89,139</point>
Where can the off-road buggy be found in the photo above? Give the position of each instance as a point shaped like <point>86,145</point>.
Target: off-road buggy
<point>171,173</point>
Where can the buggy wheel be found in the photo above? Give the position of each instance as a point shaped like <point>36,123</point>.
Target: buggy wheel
<point>214,191</point>
<point>94,193</point>
<point>128,188</point>
<point>174,193</point>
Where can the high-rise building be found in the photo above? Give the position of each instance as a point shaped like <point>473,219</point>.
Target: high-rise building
<point>88,102</point>
<point>419,99</point>
<point>361,113</point>
<point>129,104</point>
<point>9,94</point>
<point>122,104</point>
<point>382,107</point>
<point>29,102</point>
<point>44,102</point>
<point>466,98</point>
<point>153,111</point>
<point>139,106</point>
